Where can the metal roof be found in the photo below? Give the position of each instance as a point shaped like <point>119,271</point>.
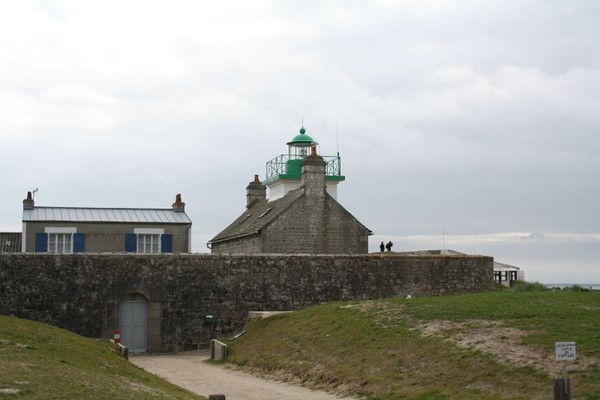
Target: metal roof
<point>302,139</point>
<point>498,266</point>
<point>133,215</point>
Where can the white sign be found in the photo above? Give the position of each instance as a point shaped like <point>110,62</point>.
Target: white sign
<point>565,351</point>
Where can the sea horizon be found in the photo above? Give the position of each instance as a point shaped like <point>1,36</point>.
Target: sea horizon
<point>562,285</point>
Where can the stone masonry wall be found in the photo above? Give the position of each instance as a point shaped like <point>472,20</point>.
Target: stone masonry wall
<point>317,223</point>
<point>245,245</point>
<point>81,292</point>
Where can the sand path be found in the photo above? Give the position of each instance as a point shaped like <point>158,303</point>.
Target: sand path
<point>189,370</point>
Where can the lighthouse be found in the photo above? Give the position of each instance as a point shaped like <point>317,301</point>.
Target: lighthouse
<point>284,172</point>
<point>301,215</point>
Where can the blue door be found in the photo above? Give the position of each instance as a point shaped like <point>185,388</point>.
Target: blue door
<point>133,322</point>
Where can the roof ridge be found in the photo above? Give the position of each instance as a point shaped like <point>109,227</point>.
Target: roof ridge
<point>105,208</point>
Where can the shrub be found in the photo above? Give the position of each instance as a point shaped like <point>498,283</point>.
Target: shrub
<point>523,286</point>
<point>577,288</point>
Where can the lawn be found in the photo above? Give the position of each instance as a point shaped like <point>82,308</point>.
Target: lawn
<point>38,361</point>
<point>497,345</point>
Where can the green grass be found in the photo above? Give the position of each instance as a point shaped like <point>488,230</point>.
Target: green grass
<point>377,350</point>
<point>38,361</point>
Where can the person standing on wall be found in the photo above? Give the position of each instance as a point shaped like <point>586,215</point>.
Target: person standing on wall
<point>389,245</point>
<point>382,247</point>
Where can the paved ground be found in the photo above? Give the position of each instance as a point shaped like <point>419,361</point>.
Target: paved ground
<point>189,370</point>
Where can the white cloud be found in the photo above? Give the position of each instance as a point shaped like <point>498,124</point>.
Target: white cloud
<point>459,115</point>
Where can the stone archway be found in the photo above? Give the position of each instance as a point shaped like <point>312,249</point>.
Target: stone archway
<point>133,322</point>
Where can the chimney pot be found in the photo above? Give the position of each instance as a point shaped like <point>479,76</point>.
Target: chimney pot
<point>28,203</point>
<point>255,191</point>
<point>178,206</point>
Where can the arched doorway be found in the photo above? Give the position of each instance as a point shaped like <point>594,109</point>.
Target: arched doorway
<point>133,322</point>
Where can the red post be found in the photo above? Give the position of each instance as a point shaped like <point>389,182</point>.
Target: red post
<point>117,335</point>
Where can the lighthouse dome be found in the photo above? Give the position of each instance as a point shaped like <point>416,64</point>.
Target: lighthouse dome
<point>302,140</point>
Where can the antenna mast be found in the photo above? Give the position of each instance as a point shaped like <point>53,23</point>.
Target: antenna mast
<point>443,240</point>
<point>337,140</point>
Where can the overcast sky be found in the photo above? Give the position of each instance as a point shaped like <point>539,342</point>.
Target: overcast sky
<point>470,125</point>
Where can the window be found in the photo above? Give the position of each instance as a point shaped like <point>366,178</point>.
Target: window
<point>59,240</point>
<point>245,218</point>
<point>60,243</point>
<point>265,213</point>
<point>148,243</point>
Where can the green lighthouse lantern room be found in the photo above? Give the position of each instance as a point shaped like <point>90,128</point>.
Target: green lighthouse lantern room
<point>284,172</point>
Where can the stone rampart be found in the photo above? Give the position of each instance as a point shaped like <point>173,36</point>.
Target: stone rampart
<point>82,292</point>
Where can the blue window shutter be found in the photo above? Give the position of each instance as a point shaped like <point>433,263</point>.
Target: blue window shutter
<point>166,243</point>
<point>41,242</point>
<point>78,242</point>
<point>131,242</point>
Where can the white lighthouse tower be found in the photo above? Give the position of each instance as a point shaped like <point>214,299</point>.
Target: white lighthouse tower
<point>284,172</point>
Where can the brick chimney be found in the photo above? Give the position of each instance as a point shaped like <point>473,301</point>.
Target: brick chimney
<point>313,174</point>
<point>255,191</point>
<point>178,206</point>
<point>28,203</point>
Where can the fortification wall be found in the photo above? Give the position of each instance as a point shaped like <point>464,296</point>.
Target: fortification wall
<point>81,292</point>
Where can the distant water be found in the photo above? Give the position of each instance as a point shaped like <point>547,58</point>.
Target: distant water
<point>593,286</point>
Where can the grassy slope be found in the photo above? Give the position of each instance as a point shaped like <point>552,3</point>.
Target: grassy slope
<point>44,362</point>
<point>378,349</point>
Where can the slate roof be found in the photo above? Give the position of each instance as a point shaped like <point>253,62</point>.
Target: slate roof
<point>258,216</point>
<point>124,215</point>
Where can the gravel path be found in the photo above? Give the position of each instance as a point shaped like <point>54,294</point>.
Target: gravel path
<point>189,370</point>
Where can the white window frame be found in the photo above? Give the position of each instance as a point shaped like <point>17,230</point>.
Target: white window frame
<point>148,243</point>
<point>54,233</point>
<point>145,240</point>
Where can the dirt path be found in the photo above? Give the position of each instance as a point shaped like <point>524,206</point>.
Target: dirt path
<point>189,370</point>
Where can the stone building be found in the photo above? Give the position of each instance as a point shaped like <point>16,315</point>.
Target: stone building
<point>301,215</point>
<point>98,230</point>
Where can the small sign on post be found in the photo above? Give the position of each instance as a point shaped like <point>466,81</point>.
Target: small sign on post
<point>117,335</point>
<point>564,351</point>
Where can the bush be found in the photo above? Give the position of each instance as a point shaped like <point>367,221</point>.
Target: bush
<point>523,286</point>
<point>501,288</point>
<point>577,288</point>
